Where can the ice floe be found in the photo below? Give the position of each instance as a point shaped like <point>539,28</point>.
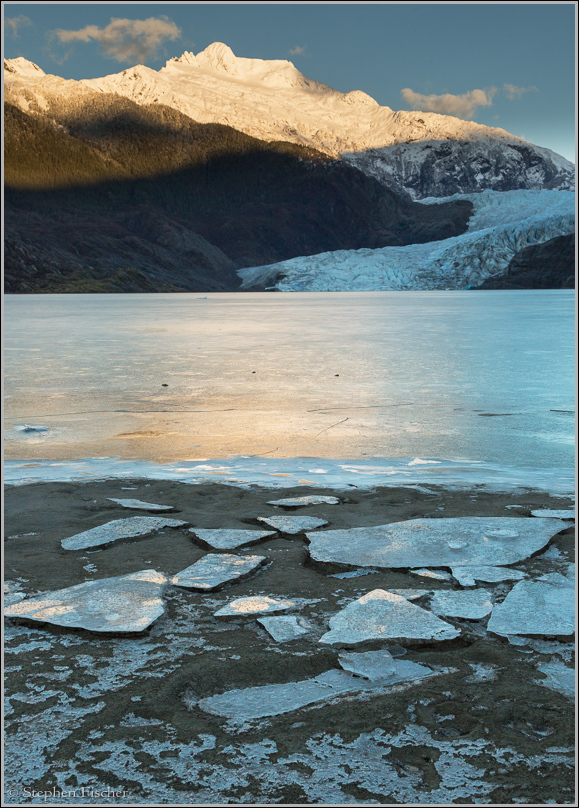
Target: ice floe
<point>468,576</point>
<point>545,606</point>
<point>223,539</point>
<point>285,627</point>
<point>217,569</point>
<point>372,665</point>
<point>298,502</point>
<point>381,615</point>
<point>411,594</point>
<point>472,605</point>
<point>127,603</point>
<point>550,513</point>
<point>128,528</point>
<point>277,699</point>
<point>455,542</point>
<point>558,677</point>
<point>137,504</point>
<point>437,575</point>
<point>292,524</point>
<point>255,604</point>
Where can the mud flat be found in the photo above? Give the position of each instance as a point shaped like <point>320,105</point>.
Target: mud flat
<point>202,709</point>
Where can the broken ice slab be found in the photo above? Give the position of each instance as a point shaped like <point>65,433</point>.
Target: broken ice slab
<point>542,607</point>
<point>215,570</point>
<point>284,627</point>
<point>473,605</point>
<point>128,528</point>
<point>381,615</point>
<point>437,575</point>
<point>292,524</point>
<point>352,574</point>
<point>298,502</point>
<point>277,699</point>
<point>468,576</point>
<point>411,594</point>
<point>372,665</point>
<point>230,539</point>
<point>558,677</point>
<point>126,603</point>
<point>12,593</point>
<point>255,604</point>
<point>455,542</point>
<point>137,504</point>
<point>554,514</point>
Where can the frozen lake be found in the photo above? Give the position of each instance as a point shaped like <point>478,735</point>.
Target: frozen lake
<point>478,378</point>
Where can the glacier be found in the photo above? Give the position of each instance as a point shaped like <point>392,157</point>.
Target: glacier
<point>503,222</point>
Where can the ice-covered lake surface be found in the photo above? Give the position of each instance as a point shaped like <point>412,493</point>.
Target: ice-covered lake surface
<point>326,388</point>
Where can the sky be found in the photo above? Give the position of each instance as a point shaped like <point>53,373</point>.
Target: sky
<point>510,65</point>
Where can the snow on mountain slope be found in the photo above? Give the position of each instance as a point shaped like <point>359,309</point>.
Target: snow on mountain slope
<point>422,152</point>
<point>501,225</point>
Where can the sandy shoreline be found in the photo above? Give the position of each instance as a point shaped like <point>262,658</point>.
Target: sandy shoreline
<point>97,712</point>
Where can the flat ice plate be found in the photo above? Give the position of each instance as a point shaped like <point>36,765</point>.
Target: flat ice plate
<point>254,604</point>
<point>128,528</point>
<point>554,514</point>
<point>545,607</point>
<point>467,576</point>
<point>283,627</point>
<point>381,615</point>
<point>457,542</point>
<point>292,524</point>
<point>124,603</point>
<point>216,569</point>
<point>139,505</point>
<point>471,605</point>
<point>298,502</point>
<point>223,539</point>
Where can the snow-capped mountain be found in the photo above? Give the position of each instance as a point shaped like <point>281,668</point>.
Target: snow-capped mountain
<point>420,153</point>
<point>502,225</point>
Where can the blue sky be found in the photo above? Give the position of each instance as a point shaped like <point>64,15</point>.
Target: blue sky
<point>501,64</point>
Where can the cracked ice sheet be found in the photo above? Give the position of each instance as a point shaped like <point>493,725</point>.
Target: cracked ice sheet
<point>544,607</point>
<point>292,524</point>
<point>127,528</point>
<point>473,605</point>
<point>216,569</point>
<point>297,502</point>
<point>381,615</point>
<point>125,603</point>
<point>285,627</point>
<point>255,604</point>
<point>468,576</point>
<point>138,504</point>
<point>223,539</point>
<point>455,542</point>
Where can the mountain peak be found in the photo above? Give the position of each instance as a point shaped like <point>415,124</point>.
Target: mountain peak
<point>220,57</point>
<point>22,67</point>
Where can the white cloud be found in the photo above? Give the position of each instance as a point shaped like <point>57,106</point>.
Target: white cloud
<point>512,91</point>
<point>461,106</point>
<point>125,40</point>
<point>14,23</point>
<point>298,50</point>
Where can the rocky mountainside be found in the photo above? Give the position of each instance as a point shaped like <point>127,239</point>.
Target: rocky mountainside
<point>550,265</point>
<point>108,195</point>
<point>420,153</point>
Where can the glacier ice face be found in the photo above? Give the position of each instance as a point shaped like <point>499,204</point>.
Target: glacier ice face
<point>118,529</point>
<point>381,615</point>
<point>216,569</point>
<point>502,225</point>
<point>127,603</point>
<point>483,541</point>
